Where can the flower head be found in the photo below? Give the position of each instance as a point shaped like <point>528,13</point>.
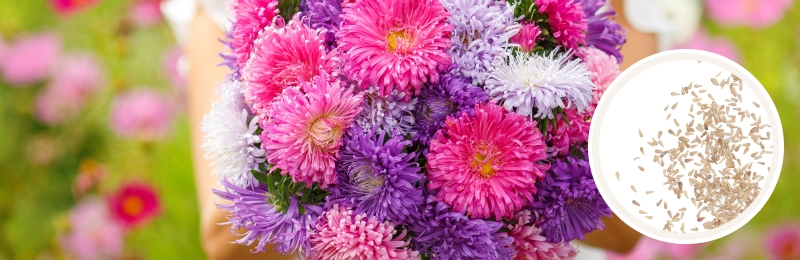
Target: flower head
<point>451,96</point>
<point>134,204</point>
<point>783,241</point>
<point>395,44</point>
<point>756,14</point>
<point>564,136</point>
<point>30,59</point>
<point>527,37</point>
<point>251,213</point>
<point>68,7</point>
<point>528,81</point>
<point>719,45</point>
<point>377,177</point>
<point>303,131</point>
<point>324,14</point>
<point>143,114</point>
<point>78,77</point>
<point>603,33</point>
<point>531,245</point>
<point>230,141</point>
<point>93,234</point>
<point>481,30</point>
<point>451,235</point>
<point>568,202</point>
<point>485,165</point>
<point>250,18</point>
<point>341,234</point>
<point>146,12</point>
<point>284,56</point>
<point>392,113</point>
<point>567,21</point>
<point>603,68</point>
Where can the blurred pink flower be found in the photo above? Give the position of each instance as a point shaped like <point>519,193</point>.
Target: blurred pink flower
<point>146,12</point>
<point>30,59</point>
<point>3,51</point>
<point>93,233</point>
<point>90,174</point>
<point>753,13</point>
<point>134,204</point>
<point>719,45</point>
<point>682,251</point>
<point>783,241</point>
<point>78,77</point>
<point>67,7</point>
<point>143,114</point>
<point>646,249</point>
<point>175,65</point>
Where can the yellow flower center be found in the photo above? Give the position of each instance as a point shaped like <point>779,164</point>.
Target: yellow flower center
<point>133,205</point>
<point>483,163</point>
<point>326,131</point>
<point>397,39</point>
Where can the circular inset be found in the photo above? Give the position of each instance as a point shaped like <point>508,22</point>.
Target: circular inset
<point>686,146</point>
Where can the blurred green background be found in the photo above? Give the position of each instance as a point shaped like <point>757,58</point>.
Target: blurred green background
<point>35,195</point>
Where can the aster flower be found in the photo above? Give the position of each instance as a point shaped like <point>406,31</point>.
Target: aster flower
<point>603,33</point>
<point>481,30</point>
<point>69,7</point>
<point>527,37</point>
<point>526,81</point>
<point>485,165</point>
<point>564,136</point>
<point>603,67</point>
<point>30,59</point>
<point>288,228</point>
<point>395,44</point>
<point>451,96</point>
<point>342,234</point>
<point>230,139</point>
<point>392,113</point>
<point>142,114</point>
<point>323,14</point>
<point>250,17</point>
<point>567,21</point>
<point>284,56</point>
<point>531,245</point>
<point>783,241</point>
<point>303,132</point>
<point>568,203</point>
<point>134,204</point>
<point>377,177</point>
<point>450,235</point>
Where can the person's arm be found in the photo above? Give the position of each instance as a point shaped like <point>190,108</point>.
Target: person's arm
<point>202,48</point>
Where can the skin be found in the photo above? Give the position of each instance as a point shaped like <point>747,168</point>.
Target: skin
<point>204,73</point>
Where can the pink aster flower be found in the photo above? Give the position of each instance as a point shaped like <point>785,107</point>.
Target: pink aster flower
<point>567,20</point>
<point>146,12</point>
<point>719,45</point>
<point>753,13</point>
<point>527,36</point>
<point>250,17</point>
<point>340,235</point>
<point>134,204</point>
<point>485,164</point>
<point>564,137</point>
<point>93,234</point>
<point>783,241</point>
<point>143,114</point>
<point>530,245</point>
<point>604,69</point>
<point>78,77</point>
<point>398,44</point>
<point>31,59</point>
<point>67,7</point>
<point>282,57</point>
<point>304,131</point>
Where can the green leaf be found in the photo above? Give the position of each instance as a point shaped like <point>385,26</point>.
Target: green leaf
<point>259,176</point>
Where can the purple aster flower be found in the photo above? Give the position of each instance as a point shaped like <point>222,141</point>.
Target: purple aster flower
<point>451,235</point>
<point>451,96</point>
<point>603,32</point>
<point>323,14</point>
<point>392,113</point>
<point>377,177</point>
<point>481,33</point>
<point>568,203</point>
<point>262,221</point>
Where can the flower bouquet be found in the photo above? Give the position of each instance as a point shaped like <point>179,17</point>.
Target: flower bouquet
<point>412,129</point>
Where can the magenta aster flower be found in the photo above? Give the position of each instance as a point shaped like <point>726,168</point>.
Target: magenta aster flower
<point>602,67</point>
<point>531,245</point>
<point>783,241</point>
<point>303,132</point>
<point>395,44</point>
<point>341,234</point>
<point>567,21</point>
<point>485,165</point>
<point>527,36</point>
<point>564,136</point>
<point>282,57</point>
<point>250,17</point>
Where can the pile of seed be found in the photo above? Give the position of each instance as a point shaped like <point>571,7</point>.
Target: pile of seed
<point>711,161</point>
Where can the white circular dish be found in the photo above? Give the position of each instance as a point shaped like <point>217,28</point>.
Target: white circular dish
<point>635,102</point>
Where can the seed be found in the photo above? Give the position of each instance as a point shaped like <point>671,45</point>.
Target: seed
<point>617,173</point>
<point>756,104</point>
<point>641,168</point>
<point>649,192</point>
<point>693,229</point>
<point>642,212</point>
<point>649,217</point>
<point>640,133</point>
<point>633,188</point>
<point>636,203</point>
<point>658,203</point>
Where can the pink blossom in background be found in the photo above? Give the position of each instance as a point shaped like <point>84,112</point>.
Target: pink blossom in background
<point>67,7</point>
<point>134,204</point>
<point>719,45</point>
<point>646,249</point>
<point>93,233</point>
<point>3,51</point>
<point>146,12</point>
<point>142,114</point>
<point>783,241</point>
<point>90,174</point>
<point>753,13</point>
<point>682,251</point>
<point>30,59</point>
<point>176,65</point>
<point>78,77</point>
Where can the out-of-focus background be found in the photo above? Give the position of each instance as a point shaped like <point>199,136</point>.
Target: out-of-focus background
<point>94,142</point>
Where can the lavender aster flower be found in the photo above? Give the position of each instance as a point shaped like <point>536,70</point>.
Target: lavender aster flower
<point>603,33</point>
<point>391,113</point>
<point>568,203</point>
<point>323,14</point>
<point>481,30</point>
<point>451,235</point>
<point>377,177</point>
<point>288,229</point>
<point>527,81</point>
<point>451,96</point>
